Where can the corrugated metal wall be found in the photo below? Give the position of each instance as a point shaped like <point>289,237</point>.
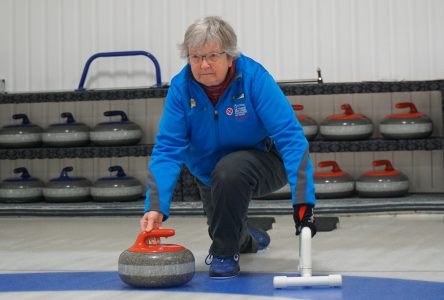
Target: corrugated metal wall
<point>45,43</point>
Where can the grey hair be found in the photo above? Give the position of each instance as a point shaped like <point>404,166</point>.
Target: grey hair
<point>210,29</point>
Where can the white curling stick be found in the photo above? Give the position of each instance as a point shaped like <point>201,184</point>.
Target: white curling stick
<point>306,278</point>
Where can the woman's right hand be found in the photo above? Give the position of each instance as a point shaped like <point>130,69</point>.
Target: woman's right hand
<point>151,220</point>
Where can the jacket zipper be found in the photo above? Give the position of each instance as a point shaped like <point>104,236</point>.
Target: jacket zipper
<point>216,125</point>
<point>216,110</point>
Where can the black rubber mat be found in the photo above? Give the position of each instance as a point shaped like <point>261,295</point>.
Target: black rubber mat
<point>322,223</point>
<point>264,223</point>
<point>326,223</point>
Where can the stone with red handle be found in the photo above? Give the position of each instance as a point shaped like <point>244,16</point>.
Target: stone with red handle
<point>152,265</point>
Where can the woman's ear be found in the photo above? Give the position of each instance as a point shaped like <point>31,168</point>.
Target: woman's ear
<point>230,61</point>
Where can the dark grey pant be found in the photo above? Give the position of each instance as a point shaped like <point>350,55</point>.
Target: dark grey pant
<point>237,178</point>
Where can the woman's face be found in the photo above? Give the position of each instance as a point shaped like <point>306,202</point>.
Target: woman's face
<point>212,69</point>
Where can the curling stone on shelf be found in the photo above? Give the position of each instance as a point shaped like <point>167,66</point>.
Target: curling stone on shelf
<point>156,265</point>
<point>117,188</point>
<point>333,184</point>
<point>67,189</point>
<point>386,183</point>
<point>309,125</point>
<point>21,189</point>
<point>21,135</point>
<point>411,125</point>
<point>346,126</point>
<point>68,134</point>
<point>116,133</point>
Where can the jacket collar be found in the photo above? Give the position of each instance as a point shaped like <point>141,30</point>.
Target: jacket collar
<point>234,90</point>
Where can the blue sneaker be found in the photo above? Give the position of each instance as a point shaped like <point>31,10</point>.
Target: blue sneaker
<point>223,267</point>
<point>262,238</point>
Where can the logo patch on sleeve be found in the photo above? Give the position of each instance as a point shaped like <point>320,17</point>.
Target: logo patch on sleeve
<point>192,103</point>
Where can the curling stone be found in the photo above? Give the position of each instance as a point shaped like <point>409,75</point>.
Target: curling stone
<point>156,265</point>
<point>411,125</point>
<point>117,188</point>
<point>346,126</point>
<point>116,133</point>
<point>21,135</point>
<point>386,183</point>
<point>308,124</point>
<point>68,134</point>
<point>67,189</point>
<point>21,190</point>
<point>333,184</point>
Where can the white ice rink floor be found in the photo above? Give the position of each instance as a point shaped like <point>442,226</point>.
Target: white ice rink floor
<point>76,258</point>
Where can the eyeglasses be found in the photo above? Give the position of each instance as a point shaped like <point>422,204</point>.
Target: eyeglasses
<point>212,57</point>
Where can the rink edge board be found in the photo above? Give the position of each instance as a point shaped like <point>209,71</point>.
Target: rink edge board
<point>411,203</point>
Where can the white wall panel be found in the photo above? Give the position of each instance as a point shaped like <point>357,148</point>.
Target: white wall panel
<point>45,43</point>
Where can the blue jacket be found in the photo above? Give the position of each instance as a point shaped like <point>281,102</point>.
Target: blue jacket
<point>193,131</point>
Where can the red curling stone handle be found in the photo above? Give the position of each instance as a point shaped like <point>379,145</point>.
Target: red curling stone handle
<point>141,242</point>
<point>383,162</point>
<point>330,163</point>
<point>159,232</point>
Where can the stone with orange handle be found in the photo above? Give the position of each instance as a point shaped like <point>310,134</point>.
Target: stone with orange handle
<point>161,265</point>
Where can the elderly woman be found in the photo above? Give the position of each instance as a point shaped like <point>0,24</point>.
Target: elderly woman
<point>229,122</point>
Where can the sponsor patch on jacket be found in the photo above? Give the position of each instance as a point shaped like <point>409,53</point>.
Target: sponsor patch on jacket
<point>229,111</point>
<point>240,110</point>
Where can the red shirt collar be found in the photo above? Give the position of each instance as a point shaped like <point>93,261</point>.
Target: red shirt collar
<point>214,92</point>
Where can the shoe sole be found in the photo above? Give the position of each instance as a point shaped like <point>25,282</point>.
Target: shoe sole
<point>223,277</point>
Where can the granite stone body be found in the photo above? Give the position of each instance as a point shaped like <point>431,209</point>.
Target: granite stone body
<point>67,189</point>
<point>21,189</point>
<point>411,125</point>
<point>309,125</point>
<point>347,126</point>
<point>21,135</point>
<point>334,183</point>
<point>116,133</point>
<point>386,183</point>
<point>146,265</point>
<point>117,188</point>
<point>152,270</point>
<point>68,134</point>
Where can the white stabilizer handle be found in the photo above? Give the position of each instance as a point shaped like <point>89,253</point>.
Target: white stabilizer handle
<point>305,252</point>
<point>305,269</point>
<point>329,280</point>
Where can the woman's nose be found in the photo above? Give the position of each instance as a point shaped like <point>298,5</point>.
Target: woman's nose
<point>204,64</point>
